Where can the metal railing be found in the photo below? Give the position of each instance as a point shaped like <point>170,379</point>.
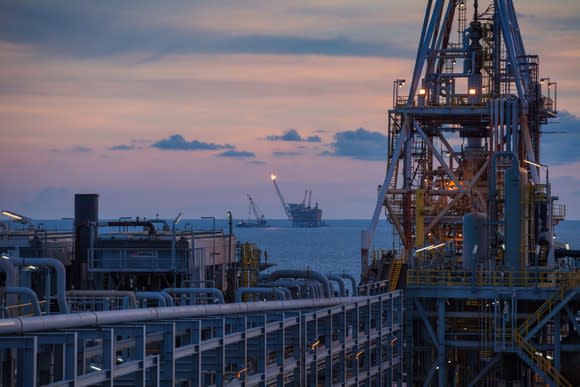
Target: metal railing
<point>445,278</point>
<point>134,259</point>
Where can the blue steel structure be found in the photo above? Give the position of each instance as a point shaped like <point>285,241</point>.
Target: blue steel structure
<point>136,320</point>
<point>491,299</point>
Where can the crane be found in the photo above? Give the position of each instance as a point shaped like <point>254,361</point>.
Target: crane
<point>273,177</point>
<point>257,213</point>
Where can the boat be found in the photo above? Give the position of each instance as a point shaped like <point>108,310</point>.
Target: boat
<point>258,221</point>
<point>300,214</point>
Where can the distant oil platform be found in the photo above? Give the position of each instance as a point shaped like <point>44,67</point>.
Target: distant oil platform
<point>300,214</point>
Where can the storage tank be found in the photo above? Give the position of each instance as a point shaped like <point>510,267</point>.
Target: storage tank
<point>475,233</point>
<point>86,211</point>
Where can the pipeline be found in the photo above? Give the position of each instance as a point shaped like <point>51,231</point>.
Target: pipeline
<point>280,295</point>
<point>218,295</point>
<point>159,296</point>
<point>340,282</point>
<point>306,274</point>
<point>60,275</point>
<point>28,293</point>
<point>22,325</point>
<point>352,282</point>
<point>11,277</point>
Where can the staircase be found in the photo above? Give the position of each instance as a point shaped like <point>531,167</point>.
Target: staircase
<point>545,364</point>
<point>394,274</point>
<point>568,283</point>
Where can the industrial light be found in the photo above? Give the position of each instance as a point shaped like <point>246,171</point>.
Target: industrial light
<point>6,256</point>
<point>422,92</point>
<point>95,368</point>
<point>273,176</point>
<point>315,344</point>
<point>538,354</point>
<point>359,354</point>
<point>240,372</point>
<point>549,357</point>
<point>177,218</point>
<point>534,164</point>
<point>472,91</point>
<point>12,215</point>
<point>431,247</point>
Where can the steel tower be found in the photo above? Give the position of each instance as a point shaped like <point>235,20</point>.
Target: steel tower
<point>489,296</point>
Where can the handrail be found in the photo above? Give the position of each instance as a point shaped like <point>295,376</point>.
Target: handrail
<point>541,361</point>
<point>567,283</point>
<point>445,278</point>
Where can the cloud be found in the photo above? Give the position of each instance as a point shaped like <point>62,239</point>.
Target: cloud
<point>237,154</point>
<point>75,149</point>
<point>293,135</point>
<point>96,29</point>
<point>283,154</point>
<point>560,140</point>
<point>177,142</point>
<point>359,144</point>
<point>122,147</point>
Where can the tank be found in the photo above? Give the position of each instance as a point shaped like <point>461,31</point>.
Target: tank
<point>475,239</point>
<point>86,211</point>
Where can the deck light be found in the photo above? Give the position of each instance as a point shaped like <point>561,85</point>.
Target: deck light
<point>431,247</point>
<point>240,372</point>
<point>422,92</point>
<point>472,91</point>
<point>315,344</point>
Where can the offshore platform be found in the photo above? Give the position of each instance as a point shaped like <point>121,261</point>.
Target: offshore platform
<point>490,299</point>
<point>300,214</point>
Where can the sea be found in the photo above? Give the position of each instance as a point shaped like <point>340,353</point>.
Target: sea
<point>331,249</point>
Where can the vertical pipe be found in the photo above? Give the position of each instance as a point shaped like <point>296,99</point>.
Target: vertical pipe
<point>442,376</point>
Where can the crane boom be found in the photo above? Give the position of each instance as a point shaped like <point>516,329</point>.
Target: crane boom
<point>273,177</point>
<point>257,213</point>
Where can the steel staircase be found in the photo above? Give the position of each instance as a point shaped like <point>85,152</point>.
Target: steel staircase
<point>542,362</point>
<point>568,283</point>
<point>394,274</point>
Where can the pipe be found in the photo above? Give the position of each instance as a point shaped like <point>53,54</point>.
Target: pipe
<point>21,325</point>
<point>168,298</point>
<point>159,296</point>
<point>282,285</point>
<point>219,296</point>
<point>340,282</point>
<point>352,282</point>
<point>27,292</point>
<point>306,274</point>
<point>60,276</point>
<point>11,277</point>
<point>280,295</point>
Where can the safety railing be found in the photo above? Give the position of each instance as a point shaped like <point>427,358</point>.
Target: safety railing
<point>135,259</point>
<point>541,361</point>
<point>572,281</point>
<point>445,278</point>
<point>100,300</point>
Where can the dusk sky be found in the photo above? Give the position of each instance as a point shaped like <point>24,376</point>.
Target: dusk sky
<point>186,106</point>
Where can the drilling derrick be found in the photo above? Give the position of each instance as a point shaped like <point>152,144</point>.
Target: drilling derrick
<point>465,190</point>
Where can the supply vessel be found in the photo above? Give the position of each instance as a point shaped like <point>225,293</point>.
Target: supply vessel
<point>258,217</point>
